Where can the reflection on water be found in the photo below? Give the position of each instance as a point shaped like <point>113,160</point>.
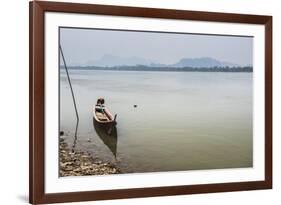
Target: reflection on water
<point>108,134</point>
<point>75,136</point>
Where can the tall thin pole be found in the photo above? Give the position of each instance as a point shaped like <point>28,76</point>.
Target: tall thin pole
<point>74,102</point>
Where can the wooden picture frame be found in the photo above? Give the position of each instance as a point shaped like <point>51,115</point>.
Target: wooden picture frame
<point>37,10</point>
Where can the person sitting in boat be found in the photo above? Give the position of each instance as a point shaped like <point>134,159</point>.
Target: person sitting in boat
<point>100,105</point>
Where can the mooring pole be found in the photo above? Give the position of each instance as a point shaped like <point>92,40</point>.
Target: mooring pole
<point>66,69</point>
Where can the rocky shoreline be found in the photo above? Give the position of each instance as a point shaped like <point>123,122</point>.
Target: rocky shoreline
<point>78,163</point>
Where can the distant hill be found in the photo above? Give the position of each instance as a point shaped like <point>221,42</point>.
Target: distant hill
<point>202,63</point>
<point>117,61</point>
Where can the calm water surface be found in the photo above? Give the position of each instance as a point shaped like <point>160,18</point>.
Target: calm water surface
<point>183,120</point>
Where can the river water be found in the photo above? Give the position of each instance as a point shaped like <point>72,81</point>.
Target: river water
<point>183,120</point>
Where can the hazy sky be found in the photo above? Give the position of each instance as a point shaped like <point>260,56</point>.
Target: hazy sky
<point>81,46</point>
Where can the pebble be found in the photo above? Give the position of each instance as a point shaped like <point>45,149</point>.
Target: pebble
<point>81,164</point>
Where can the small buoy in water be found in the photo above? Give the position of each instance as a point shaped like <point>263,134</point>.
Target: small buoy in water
<point>89,140</point>
<point>61,133</point>
<point>135,105</point>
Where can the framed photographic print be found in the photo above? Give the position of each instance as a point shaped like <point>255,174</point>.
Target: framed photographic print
<point>139,102</point>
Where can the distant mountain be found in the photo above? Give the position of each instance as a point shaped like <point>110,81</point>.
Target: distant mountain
<point>202,63</point>
<point>117,61</point>
<point>111,61</point>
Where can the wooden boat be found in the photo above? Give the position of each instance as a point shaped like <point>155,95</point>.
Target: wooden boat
<point>102,115</point>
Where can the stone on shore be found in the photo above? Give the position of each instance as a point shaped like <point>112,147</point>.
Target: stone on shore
<point>75,163</point>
